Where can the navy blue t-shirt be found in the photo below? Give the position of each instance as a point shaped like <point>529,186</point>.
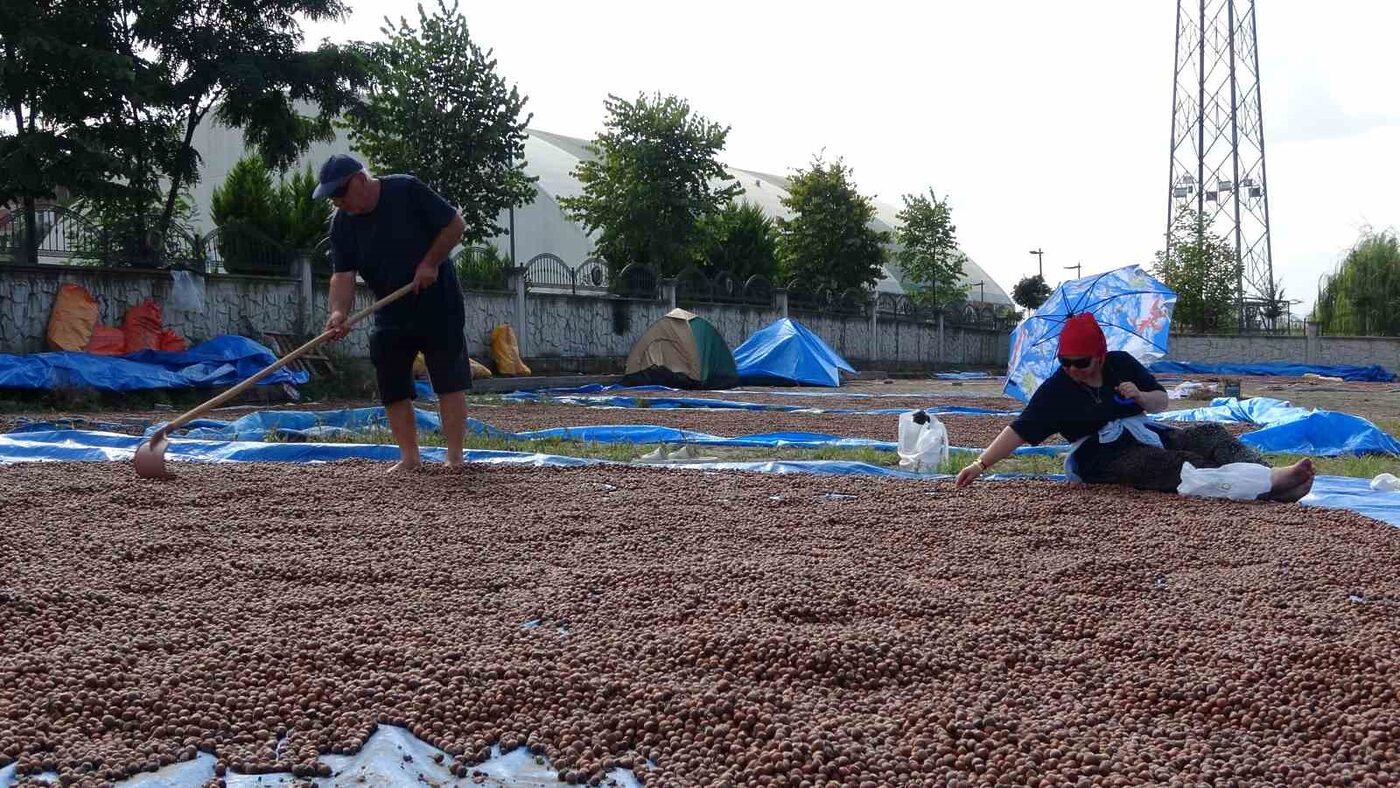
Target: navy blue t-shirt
<point>1075,411</point>
<point>386,244</point>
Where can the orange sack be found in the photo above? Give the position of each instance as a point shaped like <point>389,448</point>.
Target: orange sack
<point>172,342</point>
<point>107,341</point>
<point>142,326</point>
<point>73,318</point>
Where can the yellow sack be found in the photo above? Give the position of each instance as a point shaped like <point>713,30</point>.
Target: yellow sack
<point>505,351</point>
<point>73,318</point>
<point>479,370</point>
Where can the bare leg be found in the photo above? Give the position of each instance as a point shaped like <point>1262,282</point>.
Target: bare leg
<point>452,407</point>
<point>403,425</point>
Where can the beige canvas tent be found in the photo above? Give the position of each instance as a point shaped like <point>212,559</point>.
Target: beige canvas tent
<point>681,350</point>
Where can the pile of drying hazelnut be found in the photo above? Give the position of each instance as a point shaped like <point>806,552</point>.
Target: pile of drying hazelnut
<point>700,628</point>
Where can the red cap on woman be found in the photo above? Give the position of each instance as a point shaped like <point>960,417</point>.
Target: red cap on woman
<point>1081,336</point>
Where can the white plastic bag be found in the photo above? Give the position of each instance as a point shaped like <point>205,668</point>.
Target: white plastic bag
<point>1386,482</point>
<point>186,292</point>
<point>923,442</point>
<point>1238,481</point>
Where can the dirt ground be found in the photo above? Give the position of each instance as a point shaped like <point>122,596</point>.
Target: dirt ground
<point>732,628</point>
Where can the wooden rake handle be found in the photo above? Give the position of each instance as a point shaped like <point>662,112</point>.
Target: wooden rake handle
<point>312,344</point>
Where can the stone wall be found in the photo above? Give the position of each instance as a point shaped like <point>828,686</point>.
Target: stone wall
<point>1222,349</point>
<point>233,304</point>
<point>559,332</point>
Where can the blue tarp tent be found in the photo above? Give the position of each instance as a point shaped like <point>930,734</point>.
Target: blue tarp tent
<point>222,361</point>
<point>785,352</point>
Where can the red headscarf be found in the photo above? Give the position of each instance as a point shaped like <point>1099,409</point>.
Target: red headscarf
<point>1081,336</point>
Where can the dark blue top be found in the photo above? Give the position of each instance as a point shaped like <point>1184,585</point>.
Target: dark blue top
<point>386,244</point>
<point>1076,411</point>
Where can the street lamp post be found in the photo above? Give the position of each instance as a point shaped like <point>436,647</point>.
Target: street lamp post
<point>1078,269</point>
<point>981,290</point>
<point>1040,261</point>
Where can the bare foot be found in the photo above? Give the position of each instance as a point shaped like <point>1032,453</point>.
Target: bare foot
<point>404,466</point>
<point>1294,494</point>
<point>1293,482</point>
<point>456,465</point>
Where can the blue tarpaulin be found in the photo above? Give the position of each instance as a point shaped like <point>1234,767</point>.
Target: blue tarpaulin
<point>345,424</point>
<point>1285,428</point>
<point>74,446</point>
<point>1276,369</point>
<point>787,352</point>
<point>672,403</point>
<point>222,361</point>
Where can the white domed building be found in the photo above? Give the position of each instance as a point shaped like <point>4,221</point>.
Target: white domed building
<point>542,227</point>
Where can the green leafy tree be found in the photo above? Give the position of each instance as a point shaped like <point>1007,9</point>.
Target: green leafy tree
<point>741,240</point>
<point>828,242</point>
<point>1363,296</point>
<point>247,196</point>
<point>302,222</point>
<point>1031,292</point>
<point>241,61</point>
<point>437,108</point>
<point>59,66</point>
<point>264,226</point>
<point>653,178</point>
<point>1201,267</point>
<point>928,252</point>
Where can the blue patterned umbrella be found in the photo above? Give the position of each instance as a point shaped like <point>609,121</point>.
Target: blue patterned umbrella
<point>1134,310</point>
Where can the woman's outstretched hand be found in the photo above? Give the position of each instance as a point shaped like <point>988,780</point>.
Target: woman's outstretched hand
<point>966,475</point>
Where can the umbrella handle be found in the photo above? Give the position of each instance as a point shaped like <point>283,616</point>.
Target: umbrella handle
<point>1122,400</point>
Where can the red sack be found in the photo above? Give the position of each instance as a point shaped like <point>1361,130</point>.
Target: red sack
<point>107,341</point>
<point>142,326</point>
<point>172,342</point>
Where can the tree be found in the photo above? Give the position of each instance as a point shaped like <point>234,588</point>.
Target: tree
<point>262,225</point>
<point>1031,292</point>
<point>1203,270</point>
<point>58,69</point>
<point>1363,296</point>
<point>829,243</point>
<point>741,240</point>
<point>654,176</point>
<point>237,59</point>
<point>928,252</point>
<point>437,108</point>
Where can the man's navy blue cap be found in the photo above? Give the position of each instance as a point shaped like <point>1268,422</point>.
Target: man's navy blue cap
<point>335,172</point>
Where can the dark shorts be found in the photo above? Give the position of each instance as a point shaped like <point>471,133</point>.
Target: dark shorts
<point>394,350</point>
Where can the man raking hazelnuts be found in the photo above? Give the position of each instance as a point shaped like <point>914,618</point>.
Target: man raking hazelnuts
<point>393,231</point>
<point>1097,401</point>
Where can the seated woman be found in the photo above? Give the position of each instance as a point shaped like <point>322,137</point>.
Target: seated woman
<point>1097,399</point>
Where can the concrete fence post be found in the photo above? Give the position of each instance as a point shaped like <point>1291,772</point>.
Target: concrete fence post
<point>780,301</point>
<point>941,358</point>
<point>874,327</point>
<point>515,275</point>
<point>305,294</point>
<point>668,292</point>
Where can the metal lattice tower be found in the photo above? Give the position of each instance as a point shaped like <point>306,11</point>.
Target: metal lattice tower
<point>1217,146</point>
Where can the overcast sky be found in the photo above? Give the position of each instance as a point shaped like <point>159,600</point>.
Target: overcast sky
<point>1046,123</point>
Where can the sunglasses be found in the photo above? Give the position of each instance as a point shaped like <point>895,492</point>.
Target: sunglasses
<point>1077,363</point>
